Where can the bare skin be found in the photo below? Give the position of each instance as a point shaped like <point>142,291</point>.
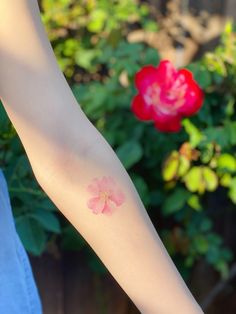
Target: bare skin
<point>70,160</point>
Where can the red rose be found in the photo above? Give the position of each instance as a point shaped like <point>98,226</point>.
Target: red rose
<point>166,95</point>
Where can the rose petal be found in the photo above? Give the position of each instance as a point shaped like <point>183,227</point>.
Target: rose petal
<point>194,96</point>
<point>173,96</point>
<point>193,102</point>
<point>166,74</point>
<point>187,74</point>
<point>141,110</point>
<point>168,123</point>
<point>145,77</point>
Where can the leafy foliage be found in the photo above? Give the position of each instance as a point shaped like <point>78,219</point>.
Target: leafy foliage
<point>176,175</point>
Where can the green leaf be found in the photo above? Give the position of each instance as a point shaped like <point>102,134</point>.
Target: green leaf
<point>194,202</point>
<point>223,268</point>
<point>230,131</point>
<point>129,153</point>
<point>227,254</point>
<point>142,188</point>
<point>184,165</point>
<point>218,135</point>
<point>201,74</point>
<point>215,64</point>
<point>151,56</point>
<point>47,219</point>
<point>24,167</point>
<point>175,201</point>
<point>96,264</point>
<point>47,204</point>
<point>193,179</point>
<point>229,108</point>
<point>31,233</point>
<point>189,261</point>
<point>97,20</point>
<point>171,166</point>
<point>213,253</point>
<point>84,57</point>
<point>206,225</point>
<point>226,162</point>
<point>156,198</point>
<point>94,100</point>
<point>204,78</point>
<point>128,50</point>
<point>232,190</point>
<point>210,178</point>
<point>4,120</point>
<point>207,152</point>
<point>195,136</point>
<point>71,239</point>
<point>201,244</point>
<point>150,26</point>
<point>200,179</point>
<point>228,27</point>
<point>226,180</point>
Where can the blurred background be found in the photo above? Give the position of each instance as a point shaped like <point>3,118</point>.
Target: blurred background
<point>187,181</point>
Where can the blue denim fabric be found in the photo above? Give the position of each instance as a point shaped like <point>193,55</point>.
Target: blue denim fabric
<point>18,291</point>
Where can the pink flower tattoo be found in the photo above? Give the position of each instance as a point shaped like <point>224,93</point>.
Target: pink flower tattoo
<point>106,195</point>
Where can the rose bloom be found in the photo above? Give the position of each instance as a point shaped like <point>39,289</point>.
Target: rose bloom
<point>166,95</point>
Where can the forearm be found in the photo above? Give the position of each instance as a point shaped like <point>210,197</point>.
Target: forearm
<point>67,152</point>
<point>125,241</point>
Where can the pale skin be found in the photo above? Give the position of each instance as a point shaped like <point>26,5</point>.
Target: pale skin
<point>70,159</point>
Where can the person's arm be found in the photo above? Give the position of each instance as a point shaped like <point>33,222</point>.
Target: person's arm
<point>71,161</point>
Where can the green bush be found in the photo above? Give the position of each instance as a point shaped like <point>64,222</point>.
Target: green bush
<point>176,181</point>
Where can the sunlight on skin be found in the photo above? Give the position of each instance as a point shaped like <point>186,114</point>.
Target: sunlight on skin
<point>23,48</point>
